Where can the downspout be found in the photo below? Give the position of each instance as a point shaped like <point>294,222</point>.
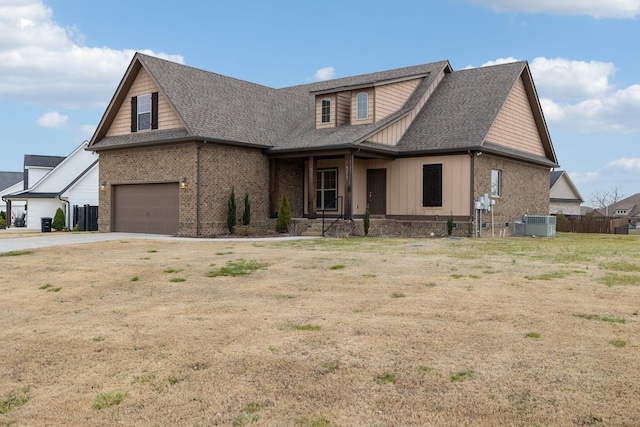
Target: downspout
<point>471,190</point>
<point>198,232</point>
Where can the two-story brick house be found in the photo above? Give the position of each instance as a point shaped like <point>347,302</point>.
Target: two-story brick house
<point>418,144</point>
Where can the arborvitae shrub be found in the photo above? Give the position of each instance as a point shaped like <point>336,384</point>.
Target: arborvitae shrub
<point>366,221</point>
<point>58,220</point>
<point>284,215</point>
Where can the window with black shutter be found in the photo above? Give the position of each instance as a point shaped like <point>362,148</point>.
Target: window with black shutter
<point>144,112</point>
<point>432,185</point>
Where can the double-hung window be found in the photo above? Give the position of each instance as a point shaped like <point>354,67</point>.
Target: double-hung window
<point>144,112</point>
<point>326,111</point>
<point>327,190</point>
<point>432,185</point>
<point>362,106</point>
<point>496,183</point>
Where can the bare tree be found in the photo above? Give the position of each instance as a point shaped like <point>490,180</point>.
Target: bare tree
<point>602,199</point>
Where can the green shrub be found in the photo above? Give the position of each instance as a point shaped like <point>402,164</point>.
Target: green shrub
<point>246,216</point>
<point>231,212</point>
<point>58,220</point>
<point>284,215</point>
<point>3,219</point>
<point>366,221</point>
<point>450,225</point>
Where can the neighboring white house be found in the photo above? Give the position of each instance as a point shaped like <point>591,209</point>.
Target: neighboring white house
<point>74,181</point>
<point>563,194</point>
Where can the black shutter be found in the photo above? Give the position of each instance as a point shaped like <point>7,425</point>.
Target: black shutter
<point>154,110</point>
<point>432,185</point>
<point>134,114</point>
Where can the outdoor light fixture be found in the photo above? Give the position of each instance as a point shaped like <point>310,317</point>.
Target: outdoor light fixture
<point>103,185</point>
<point>183,183</point>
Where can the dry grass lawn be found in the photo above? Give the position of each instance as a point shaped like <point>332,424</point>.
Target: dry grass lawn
<point>352,332</point>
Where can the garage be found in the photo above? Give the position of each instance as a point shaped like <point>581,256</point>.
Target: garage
<point>146,208</point>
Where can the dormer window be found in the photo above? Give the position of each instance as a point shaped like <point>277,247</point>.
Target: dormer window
<point>144,112</point>
<point>326,110</point>
<point>362,106</point>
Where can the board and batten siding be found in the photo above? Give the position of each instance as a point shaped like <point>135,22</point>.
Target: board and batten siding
<point>343,109</point>
<point>143,85</point>
<point>404,184</point>
<point>41,208</point>
<point>85,191</point>
<point>394,132</point>
<point>515,126</point>
<point>390,98</point>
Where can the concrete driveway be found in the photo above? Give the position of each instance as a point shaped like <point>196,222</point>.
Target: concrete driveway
<point>41,240</point>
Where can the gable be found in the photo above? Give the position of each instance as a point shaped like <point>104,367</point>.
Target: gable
<point>562,189</point>
<point>515,126</point>
<point>142,85</point>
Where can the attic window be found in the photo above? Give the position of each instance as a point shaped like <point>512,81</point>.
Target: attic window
<point>144,112</point>
<point>362,106</point>
<point>326,110</point>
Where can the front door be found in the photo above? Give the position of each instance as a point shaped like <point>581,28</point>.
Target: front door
<point>377,191</point>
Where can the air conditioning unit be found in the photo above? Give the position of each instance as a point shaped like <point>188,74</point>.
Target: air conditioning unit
<point>543,226</point>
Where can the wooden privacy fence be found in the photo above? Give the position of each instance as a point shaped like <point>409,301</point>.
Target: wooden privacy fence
<point>603,225</point>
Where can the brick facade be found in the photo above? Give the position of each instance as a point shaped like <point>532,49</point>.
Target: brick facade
<point>525,189</point>
<point>290,182</point>
<point>222,168</point>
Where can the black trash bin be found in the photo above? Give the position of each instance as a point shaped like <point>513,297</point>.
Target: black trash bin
<point>45,224</point>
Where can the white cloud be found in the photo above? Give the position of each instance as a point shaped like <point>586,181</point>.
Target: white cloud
<point>44,63</point>
<point>325,73</point>
<point>53,120</point>
<point>568,79</point>
<point>579,95</point>
<point>595,8</point>
<point>622,173</point>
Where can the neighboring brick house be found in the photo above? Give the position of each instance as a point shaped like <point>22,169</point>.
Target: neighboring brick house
<point>563,195</point>
<point>418,144</point>
<point>629,207</point>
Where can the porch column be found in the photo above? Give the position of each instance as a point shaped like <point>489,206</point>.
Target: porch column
<point>274,190</point>
<point>312,179</point>
<point>348,182</point>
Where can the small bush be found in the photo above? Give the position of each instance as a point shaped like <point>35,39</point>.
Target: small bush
<point>58,220</point>
<point>231,212</point>
<point>450,225</point>
<point>284,215</point>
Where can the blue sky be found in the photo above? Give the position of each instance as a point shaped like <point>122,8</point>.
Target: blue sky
<point>61,61</point>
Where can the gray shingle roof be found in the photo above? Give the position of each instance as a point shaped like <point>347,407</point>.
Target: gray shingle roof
<point>554,176</point>
<point>456,118</point>
<point>42,161</point>
<point>461,111</point>
<point>7,179</point>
